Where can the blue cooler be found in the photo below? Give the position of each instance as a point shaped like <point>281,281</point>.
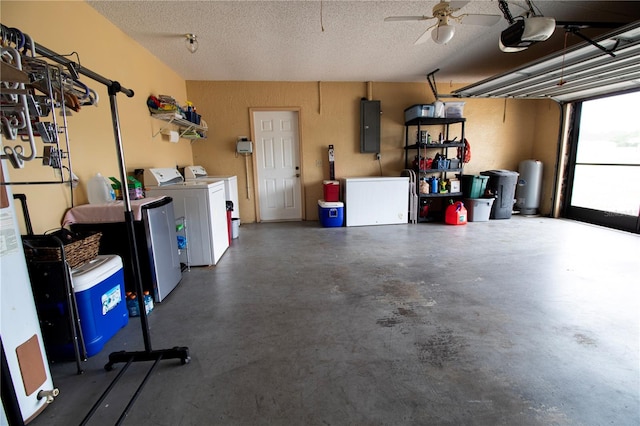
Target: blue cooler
<point>331,213</point>
<point>99,288</point>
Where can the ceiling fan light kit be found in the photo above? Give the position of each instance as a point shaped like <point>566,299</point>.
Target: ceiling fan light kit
<point>442,34</point>
<point>191,42</point>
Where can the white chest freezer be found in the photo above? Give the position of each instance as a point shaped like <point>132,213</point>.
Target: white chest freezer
<point>376,200</point>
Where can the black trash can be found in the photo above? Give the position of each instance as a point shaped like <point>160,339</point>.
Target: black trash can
<point>502,186</point>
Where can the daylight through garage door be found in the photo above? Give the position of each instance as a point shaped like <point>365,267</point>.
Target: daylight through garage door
<point>604,185</point>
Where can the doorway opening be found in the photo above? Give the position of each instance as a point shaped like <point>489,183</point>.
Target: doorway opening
<point>604,174</point>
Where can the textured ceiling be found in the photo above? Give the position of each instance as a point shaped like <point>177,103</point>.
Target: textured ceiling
<point>336,40</point>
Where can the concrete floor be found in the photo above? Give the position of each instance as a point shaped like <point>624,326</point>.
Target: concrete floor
<point>526,321</point>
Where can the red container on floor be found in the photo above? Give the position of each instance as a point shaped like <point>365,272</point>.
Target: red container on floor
<point>456,214</point>
<point>331,190</point>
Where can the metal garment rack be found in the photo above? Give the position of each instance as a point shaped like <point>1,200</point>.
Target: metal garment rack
<point>128,357</point>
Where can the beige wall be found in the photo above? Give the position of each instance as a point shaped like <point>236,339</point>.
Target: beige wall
<point>74,26</point>
<point>501,133</point>
<point>545,148</point>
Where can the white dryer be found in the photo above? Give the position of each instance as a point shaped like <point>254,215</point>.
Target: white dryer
<point>202,205</point>
<point>230,185</point>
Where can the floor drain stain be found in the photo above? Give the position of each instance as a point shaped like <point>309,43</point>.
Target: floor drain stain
<point>407,312</point>
<point>389,321</point>
<point>584,340</point>
<point>440,349</point>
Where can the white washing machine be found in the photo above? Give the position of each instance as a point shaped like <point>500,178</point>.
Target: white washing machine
<point>230,185</point>
<point>202,205</point>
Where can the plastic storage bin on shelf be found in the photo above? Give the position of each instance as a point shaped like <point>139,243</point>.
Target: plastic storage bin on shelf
<point>416,111</point>
<point>331,190</point>
<point>502,186</point>
<point>478,209</point>
<point>331,214</point>
<point>454,109</point>
<point>102,308</point>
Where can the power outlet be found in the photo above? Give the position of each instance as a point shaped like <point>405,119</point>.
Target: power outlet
<point>318,163</point>
<point>378,156</point>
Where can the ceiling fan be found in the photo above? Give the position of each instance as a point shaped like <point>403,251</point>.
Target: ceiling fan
<point>444,11</point>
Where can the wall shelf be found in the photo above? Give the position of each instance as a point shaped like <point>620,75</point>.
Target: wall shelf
<point>187,129</point>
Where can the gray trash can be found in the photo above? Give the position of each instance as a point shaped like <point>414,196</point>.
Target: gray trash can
<point>502,185</point>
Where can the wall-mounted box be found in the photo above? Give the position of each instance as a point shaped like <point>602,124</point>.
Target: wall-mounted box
<point>369,126</point>
<point>244,147</point>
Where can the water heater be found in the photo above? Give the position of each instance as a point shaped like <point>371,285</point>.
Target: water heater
<point>529,186</point>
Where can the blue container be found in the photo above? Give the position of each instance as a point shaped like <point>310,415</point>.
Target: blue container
<point>133,307</point>
<point>102,307</point>
<point>433,185</point>
<point>331,213</point>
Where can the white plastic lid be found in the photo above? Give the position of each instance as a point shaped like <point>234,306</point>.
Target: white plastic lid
<point>331,182</point>
<point>487,201</point>
<point>95,271</point>
<point>330,204</point>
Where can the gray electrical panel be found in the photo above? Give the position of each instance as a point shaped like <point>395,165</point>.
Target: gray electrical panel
<point>369,126</point>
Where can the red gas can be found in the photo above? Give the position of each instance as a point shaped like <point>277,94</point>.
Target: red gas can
<point>456,214</point>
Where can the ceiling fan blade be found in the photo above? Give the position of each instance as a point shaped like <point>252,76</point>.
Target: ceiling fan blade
<point>407,18</point>
<point>425,35</point>
<point>479,19</point>
<point>456,5</point>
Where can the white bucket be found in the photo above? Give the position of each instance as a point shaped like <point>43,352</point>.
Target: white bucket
<point>235,228</point>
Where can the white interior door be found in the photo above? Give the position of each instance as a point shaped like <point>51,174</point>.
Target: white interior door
<point>277,159</point>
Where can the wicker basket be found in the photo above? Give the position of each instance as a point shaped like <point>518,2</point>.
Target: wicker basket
<point>78,248</point>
